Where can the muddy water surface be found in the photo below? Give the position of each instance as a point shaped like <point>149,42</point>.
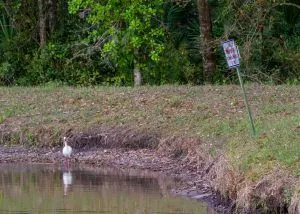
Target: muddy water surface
<point>54,189</point>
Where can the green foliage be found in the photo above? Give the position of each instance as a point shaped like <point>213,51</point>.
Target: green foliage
<point>100,42</point>
<point>130,29</point>
<point>5,73</point>
<point>6,33</point>
<point>6,51</point>
<point>174,67</point>
<point>267,33</point>
<point>51,64</point>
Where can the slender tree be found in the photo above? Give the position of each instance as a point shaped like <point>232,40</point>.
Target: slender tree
<point>209,61</point>
<point>52,14</point>
<point>42,23</point>
<point>47,19</point>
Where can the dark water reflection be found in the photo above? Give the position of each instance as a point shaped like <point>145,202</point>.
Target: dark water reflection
<point>51,189</point>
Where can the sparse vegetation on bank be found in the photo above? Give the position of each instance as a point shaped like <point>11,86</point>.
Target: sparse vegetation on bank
<point>206,126</point>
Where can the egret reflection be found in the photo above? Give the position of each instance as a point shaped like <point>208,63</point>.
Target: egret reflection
<point>67,180</point>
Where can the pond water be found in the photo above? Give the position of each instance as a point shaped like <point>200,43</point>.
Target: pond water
<point>53,189</point>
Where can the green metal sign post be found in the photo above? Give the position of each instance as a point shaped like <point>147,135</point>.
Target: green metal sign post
<point>246,101</point>
<point>233,60</point>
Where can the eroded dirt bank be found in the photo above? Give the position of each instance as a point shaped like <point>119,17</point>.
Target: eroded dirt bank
<point>204,176</point>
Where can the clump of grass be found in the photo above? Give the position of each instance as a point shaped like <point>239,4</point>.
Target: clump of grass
<point>271,193</point>
<point>114,137</point>
<point>224,178</point>
<point>277,144</point>
<point>294,207</point>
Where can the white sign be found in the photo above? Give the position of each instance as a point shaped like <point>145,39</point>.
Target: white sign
<point>232,53</point>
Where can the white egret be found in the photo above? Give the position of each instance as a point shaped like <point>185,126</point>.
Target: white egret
<point>67,150</point>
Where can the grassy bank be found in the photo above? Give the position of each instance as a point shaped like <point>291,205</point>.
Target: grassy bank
<point>215,115</point>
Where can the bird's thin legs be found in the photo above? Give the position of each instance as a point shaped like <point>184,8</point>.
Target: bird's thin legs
<point>67,163</point>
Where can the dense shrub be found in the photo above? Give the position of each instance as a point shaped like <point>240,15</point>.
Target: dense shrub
<point>267,34</point>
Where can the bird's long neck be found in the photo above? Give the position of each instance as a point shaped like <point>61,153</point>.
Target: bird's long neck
<point>66,144</point>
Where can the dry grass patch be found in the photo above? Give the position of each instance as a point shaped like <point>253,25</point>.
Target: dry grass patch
<point>114,137</point>
<point>272,192</point>
<point>224,178</point>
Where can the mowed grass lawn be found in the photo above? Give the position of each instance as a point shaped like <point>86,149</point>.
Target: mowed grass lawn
<point>215,114</point>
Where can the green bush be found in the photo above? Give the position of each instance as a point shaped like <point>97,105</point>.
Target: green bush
<point>5,73</point>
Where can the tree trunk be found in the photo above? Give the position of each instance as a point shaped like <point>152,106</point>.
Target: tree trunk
<point>51,14</point>
<point>42,23</point>
<point>137,75</point>
<point>209,61</point>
